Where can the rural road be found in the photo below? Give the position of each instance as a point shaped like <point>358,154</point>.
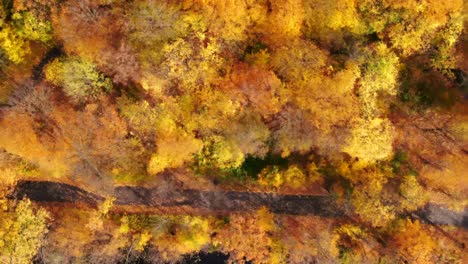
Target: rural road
<point>324,206</point>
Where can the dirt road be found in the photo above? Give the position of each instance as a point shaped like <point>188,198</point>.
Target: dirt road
<point>324,206</point>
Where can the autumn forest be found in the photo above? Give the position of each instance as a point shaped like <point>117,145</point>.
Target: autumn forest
<point>233,131</point>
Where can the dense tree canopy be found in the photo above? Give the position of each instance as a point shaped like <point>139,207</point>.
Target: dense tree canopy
<point>364,101</point>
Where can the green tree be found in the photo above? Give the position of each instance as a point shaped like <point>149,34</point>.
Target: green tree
<point>79,78</point>
<point>15,37</point>
<point>31,27</point>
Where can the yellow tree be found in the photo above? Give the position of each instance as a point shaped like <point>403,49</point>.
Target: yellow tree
<point>232,21</point>
<point>413,26</point>
<point>95,143</point>
<point>18,137</point>
<point>355,245</point>
<point>284,21</point>
<point>368,192</point>
<point>22,231</point>
<point>160,125</point>
<point>251,237</point>
<point>371,140</point>
<point>172,235</point>
<point>413,193</point>
<point>322,95</point>
<point>372,134</point>
<point>413,242</point>
<point>329,21</point>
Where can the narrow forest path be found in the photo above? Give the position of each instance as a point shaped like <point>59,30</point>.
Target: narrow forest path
<point>215,201</point>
